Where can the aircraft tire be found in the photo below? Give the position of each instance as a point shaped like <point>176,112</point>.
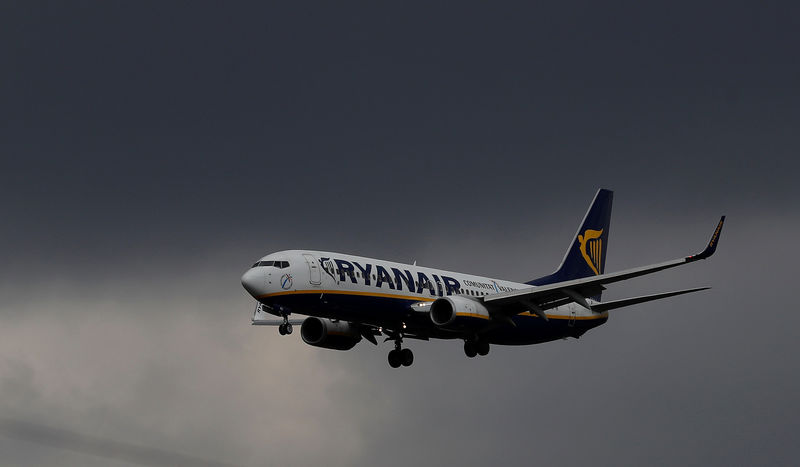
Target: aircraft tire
<point>288,328</point>
<point>483,348</point>
<point>407,357</point>
<point>282,329</point>
<point>470,349</point>
<point>394,359</point>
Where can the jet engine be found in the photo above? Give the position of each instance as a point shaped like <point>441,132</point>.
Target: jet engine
<point>337,335</point>
<point>457,312</point>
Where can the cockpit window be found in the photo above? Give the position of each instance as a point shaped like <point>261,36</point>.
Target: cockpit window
<point>277,264</point>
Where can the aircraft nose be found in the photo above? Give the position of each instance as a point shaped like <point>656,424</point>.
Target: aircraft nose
<point>253,281</point>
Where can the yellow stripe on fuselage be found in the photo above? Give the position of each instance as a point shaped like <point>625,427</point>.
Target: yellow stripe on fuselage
<point>348,292</point>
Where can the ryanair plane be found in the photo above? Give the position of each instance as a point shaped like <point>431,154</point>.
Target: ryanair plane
<point>348,298</point>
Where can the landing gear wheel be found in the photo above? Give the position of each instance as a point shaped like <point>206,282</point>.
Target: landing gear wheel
<point>407,357</point>
<point>483,348</point>
<point>394,358</point>
<point>470,349</point>
<point>288,329</point>
<point>282,329</point>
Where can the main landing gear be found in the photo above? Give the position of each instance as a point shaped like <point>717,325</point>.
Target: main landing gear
<point>473,348</point>
<point>400,356</point>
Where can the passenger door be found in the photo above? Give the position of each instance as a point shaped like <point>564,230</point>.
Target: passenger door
<point>314,274</point>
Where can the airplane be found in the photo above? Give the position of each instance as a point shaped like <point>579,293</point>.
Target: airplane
<point>348,298</point>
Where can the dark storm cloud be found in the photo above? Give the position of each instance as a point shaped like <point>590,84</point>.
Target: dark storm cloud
<point>150,152</point>
<point>167,124</point>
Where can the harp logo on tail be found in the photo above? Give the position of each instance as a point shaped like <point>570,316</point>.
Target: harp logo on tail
<point>591,246</point>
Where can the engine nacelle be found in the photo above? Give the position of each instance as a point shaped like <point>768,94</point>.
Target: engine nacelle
<point>337,335</point>
<point>457,312</point>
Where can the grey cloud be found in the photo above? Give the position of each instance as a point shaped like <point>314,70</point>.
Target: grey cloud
<point>199,382</point>
<point>65,439</point>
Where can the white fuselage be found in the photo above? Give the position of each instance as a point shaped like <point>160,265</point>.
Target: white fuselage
<point>380,292</point>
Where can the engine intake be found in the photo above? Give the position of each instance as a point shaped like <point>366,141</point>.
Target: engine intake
<point>322,332</point>
<point>457,312</point>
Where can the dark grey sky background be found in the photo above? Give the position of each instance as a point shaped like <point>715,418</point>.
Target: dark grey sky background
<point>152,151</point>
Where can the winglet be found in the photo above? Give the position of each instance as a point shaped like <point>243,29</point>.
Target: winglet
<point>712,244</point>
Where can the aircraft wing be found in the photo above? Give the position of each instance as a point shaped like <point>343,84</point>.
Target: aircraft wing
<point>274,322</point>
<point>538,299</point>
<point>367,331</point>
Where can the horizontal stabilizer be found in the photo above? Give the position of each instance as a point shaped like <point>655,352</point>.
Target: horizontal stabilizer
<point>605,306</point>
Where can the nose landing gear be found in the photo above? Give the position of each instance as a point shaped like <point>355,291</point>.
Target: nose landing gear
<point>285,328</point>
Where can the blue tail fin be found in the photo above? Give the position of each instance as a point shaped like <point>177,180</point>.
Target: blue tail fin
<point>586,255</point>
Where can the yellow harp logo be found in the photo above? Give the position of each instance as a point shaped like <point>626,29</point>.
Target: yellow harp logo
<point>592,248</point>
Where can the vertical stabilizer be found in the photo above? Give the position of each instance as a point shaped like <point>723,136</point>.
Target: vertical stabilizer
<point>586,255</point>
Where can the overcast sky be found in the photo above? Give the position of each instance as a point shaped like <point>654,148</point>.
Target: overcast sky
<point>150,152</point>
